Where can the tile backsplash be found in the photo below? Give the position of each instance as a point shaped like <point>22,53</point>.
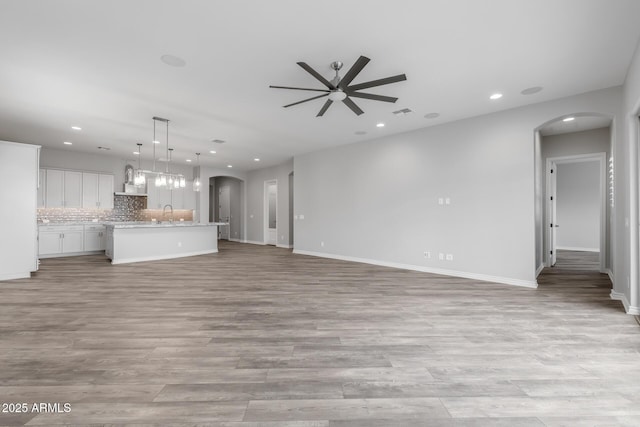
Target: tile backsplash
<point>125,208</point>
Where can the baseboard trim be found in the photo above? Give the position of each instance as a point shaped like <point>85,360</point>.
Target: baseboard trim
<point>630,309</point>
<point>284,246</point>
<point>163,257</point>
<point>539,270</point>
<point>254,242</point>
<point>609,273</point>
<point>444,272</point>
<point>13,276</point>
<point>575,248</point>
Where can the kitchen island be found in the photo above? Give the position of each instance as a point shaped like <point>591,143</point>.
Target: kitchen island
<point>148,241</point>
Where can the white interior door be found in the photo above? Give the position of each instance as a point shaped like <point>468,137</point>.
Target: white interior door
<point>553,216</point>
<point>271,212</point>
<point>224,212</point>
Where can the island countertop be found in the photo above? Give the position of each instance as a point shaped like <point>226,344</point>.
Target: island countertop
<point>163,224</point>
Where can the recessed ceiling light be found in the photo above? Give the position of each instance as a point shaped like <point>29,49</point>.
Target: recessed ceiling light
<point>531,90</point>
<point>156,142</point>
<point>76,128</point>
<point>136,153</point>
<point>188,160</point>
<point>256,159</point>
<point>68,143</point>
<point>432,115</point>
<point>173,61</point>
<point>380,125</point>
<point>212,152</point>
<point>229,166</point>
<point>569,119</point>
<point>495,96</point>
<point>360,132</point>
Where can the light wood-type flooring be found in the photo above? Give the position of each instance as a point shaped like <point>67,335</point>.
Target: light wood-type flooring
<point>256,336</point>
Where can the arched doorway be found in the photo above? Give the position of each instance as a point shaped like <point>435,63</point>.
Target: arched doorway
<point>572,188</point>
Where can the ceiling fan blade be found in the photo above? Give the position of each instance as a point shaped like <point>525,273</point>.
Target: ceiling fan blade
<point>299,88</point>
<point>372,96</point>
<point>324,108</point>
<point>305,100</point>
<point>379,82</point>
<point>349,103</point>
<point>315,74</point>
<point>353,71</point>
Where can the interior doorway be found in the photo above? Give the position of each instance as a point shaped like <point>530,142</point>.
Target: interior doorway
<point>576,208</point>
<point>227,204</point>
<point>271,212</point>
<point>224,212</point>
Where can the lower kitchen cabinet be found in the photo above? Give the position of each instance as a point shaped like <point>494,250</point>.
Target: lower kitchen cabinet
<point>94,238</point>
<point>66,240</point>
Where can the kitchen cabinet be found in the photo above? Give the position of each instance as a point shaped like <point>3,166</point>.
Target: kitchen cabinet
<point>72,189</point>
<point>42,182</point>
<point>54,188</point>
<point>62,189</point>
<point>94,238</point>
<point>157,197</point>
<point>97,190</point>
<point>60,239</point>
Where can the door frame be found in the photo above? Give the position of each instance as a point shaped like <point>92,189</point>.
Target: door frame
<point>266,211</point>
<point>601,158</point>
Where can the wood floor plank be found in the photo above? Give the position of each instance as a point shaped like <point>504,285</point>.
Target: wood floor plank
<point>256,336</point>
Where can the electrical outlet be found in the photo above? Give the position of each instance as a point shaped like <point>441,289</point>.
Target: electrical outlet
<point>441,256</point>
<point>427,255</point>
<point>322,244</point>
<point>179,244</point>
<point>440,201</point>
<point>295,217</point>
<point>449,257</point>
<point>301,216</point>
<point>447,201</point>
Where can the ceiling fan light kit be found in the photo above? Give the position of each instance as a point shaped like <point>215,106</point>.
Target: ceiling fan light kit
<point>341,89</point>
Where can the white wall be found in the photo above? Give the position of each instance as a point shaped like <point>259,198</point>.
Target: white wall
<point>578,206</point>
<point>627,286</point>
<point>378,200</point>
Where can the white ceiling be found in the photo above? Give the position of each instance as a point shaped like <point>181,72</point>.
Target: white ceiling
<point>97,65</point>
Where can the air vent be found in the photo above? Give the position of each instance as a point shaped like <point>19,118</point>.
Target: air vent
<point>104,148</point>
<point>219,141</point>
<point>403,112</point>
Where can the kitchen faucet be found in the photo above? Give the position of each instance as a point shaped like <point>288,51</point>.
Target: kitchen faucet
<point>164,210</point>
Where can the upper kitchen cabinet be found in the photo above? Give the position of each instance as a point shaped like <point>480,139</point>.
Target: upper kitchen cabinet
<point>42,182</point>
<point>97,190</point>
<point>63,189</point>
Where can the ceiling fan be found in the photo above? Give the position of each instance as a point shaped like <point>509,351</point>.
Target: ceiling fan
<point>341,89</point>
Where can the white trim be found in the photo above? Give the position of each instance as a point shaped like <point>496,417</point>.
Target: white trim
<point>539,269</point>
<point>628,308</point>
<point>453,273</point>
<point>571,248</point>
<point>14,276</point>
<point>610,274</point>
<point>254,242</point>
<point>284,246</point>
<point>163,257</point>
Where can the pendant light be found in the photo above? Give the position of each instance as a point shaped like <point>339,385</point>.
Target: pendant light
<point>139,178</point>
<point>196,180</point>
<point>166,179</point>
